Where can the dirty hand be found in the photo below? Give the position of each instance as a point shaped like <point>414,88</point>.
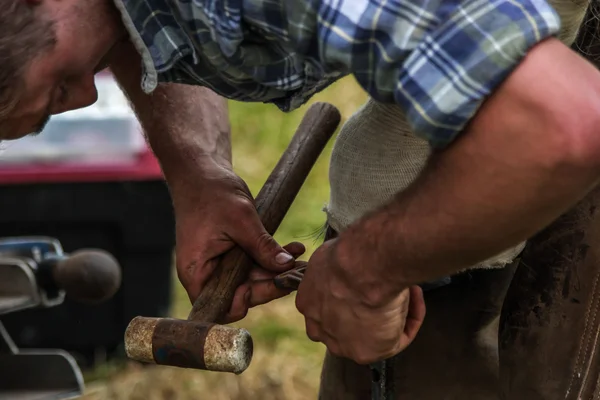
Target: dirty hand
<point>214,211</point>
<point>338,314</point>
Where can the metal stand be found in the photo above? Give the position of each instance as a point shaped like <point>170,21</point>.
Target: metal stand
<point>27,280</point>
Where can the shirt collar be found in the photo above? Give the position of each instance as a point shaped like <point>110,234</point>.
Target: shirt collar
<point>149,79</point>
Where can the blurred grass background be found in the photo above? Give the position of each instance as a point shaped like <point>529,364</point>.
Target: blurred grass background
<point>286,364</point>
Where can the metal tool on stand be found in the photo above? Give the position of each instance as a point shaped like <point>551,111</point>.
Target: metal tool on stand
<point>382,373</point>
<point>35,272</point>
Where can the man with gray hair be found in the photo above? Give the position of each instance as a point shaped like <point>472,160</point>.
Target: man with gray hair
<point>505,113</point>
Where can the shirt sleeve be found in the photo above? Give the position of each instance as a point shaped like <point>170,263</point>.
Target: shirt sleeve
<point>437,59</point>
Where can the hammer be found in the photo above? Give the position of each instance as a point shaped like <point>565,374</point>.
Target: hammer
<point>199,342</point>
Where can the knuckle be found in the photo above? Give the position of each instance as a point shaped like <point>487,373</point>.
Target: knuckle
<point>192,293</point>
<point>400,346</point>
<point>373,298</point>
<point>312,336</point>
<point>265,242</point>
<point>242,210</point>
<point>186,270</point>
<point>360,360</point>
<point>363,359</point>
<point>306,308</point>
<point>237,315</point>
<point>390,351</point>
<point>313,330</point>
<point>182,275</point>
<point>365,354</point>
<point>187,282</point>
<point>300,305</point>
<point>335,351</point>
<point>240,185</point>
<point>245,204</point>
<point>328,330</point>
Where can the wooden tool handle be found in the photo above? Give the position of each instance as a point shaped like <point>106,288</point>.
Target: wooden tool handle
<point>273,201</point>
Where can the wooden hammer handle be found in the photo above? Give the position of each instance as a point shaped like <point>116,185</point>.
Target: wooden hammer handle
<point>272,203</point>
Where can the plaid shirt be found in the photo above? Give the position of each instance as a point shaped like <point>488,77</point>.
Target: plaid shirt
<point>437,59</point>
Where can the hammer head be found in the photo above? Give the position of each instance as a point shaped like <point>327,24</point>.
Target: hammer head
<point>189,344</point>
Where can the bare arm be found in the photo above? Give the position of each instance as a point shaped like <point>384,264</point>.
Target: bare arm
<point>183,124</point>
<point>187,127</point>
<point>532,151</point>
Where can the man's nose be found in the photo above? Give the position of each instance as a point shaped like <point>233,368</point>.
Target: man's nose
<point>81,93</point>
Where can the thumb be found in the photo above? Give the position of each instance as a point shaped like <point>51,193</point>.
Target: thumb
<point>415,317</point>
<point>250,235</point>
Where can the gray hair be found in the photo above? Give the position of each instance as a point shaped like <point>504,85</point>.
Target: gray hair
<point>23,36</point>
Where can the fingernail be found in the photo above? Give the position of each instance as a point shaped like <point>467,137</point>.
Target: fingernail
<point>283,258</point>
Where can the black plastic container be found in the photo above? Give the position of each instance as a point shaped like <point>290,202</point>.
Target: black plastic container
<point>132,220</point>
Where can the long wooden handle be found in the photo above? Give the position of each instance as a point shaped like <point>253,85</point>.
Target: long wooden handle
<point>273,201</point>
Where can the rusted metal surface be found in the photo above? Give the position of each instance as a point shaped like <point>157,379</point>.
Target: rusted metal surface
<point>189,344</point>
<point>138,339</point>
<point>228,349</point>
<point>180,343</point>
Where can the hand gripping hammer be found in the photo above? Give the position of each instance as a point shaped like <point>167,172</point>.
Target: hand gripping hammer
<point>199,342</point>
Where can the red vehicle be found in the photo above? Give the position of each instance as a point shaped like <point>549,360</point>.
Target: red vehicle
<point>90,181</point>
<point>102,142</point>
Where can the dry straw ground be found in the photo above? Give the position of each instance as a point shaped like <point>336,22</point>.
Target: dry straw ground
<point>286,364</point>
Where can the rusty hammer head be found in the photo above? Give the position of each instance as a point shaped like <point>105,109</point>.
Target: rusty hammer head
<point>189,344</point>
<point>198,342</point>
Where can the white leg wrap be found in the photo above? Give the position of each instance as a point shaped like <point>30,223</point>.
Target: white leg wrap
<point>374,157</point>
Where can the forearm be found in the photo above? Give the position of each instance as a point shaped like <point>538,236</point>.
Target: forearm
<point>526,158</point>
<point>184,125</point>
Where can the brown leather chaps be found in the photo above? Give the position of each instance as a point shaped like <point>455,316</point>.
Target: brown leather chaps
<point>529,331</point>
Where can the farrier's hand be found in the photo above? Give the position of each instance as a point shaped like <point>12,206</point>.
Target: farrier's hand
<point>215,211</point>
<point>337,314</point>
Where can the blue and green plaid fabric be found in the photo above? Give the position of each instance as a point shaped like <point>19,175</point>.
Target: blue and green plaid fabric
<point>437,59</point>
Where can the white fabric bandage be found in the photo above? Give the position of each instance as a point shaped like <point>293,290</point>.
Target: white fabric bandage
<point>374,157</point>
